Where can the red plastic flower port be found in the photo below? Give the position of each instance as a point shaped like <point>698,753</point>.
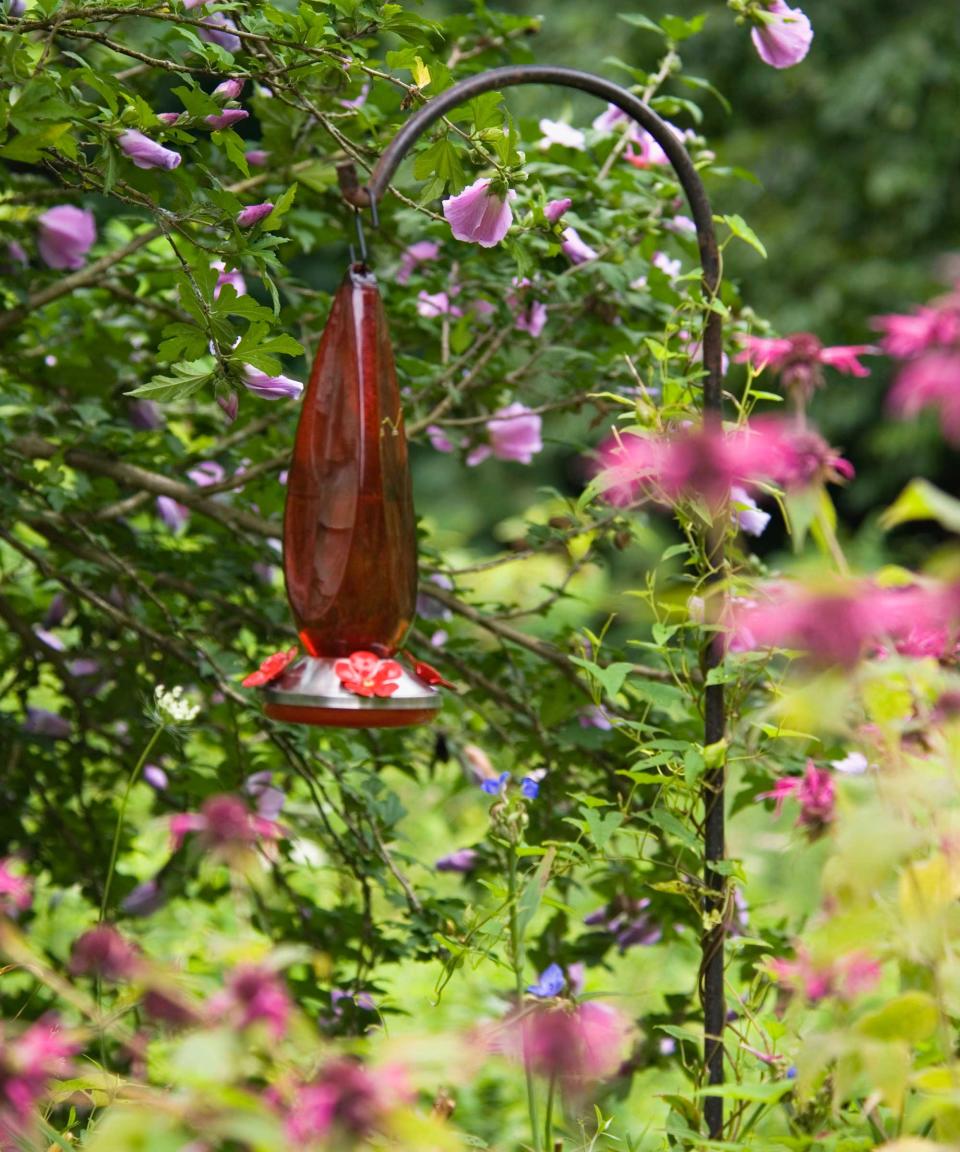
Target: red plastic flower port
<point>430,675</point>
<point>271,668</point>
<point>365,674</point>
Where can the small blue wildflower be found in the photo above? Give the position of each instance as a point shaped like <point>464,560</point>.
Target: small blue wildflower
<point>530,788</point>
<point>791,1072</point>
<point>495,787</point>
<point>551,982</point>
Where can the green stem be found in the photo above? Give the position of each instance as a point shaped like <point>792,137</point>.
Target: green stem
<point>548,1121</point>
<point>516,952</point>
<point>123,811</point>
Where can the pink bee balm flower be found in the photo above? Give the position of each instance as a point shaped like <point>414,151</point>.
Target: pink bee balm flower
<point>931,381</point>
<point>147,153</point>
<point>418,253</point>
<point>66,234</point>
<point>908,335</point>
<point>577,251</point>
<point>815,791</point>
<point>227,118</point>
<point>253,214</point>
<point>782,35</point>
<point>223,824</point>
<point>556,132</point>
<point>479,215</point>
<point>15,891</point>
<point>103,952</point>
<point>574,1044</point>
<point>798,359</point>
<point>270,387</point>
<point>27,1063</point>
<point>847,977</point>
<point>556,208</point>
<point>514,434</point>
<point>255,994</point>
<point>228,90</point>
<point>256,157</point>
<point>348,1100</point>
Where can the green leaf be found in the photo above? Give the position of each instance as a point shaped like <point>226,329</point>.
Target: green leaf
<point>187,378</point>
<point>440,161</point>
<point>766,1093</point>
<point>602,825</point>
<point>610,678</point>
<point>679,29</point>
<point>638,21</point>
<point>921,500</point>
<point>912,1016</point>
<point>740,228</point>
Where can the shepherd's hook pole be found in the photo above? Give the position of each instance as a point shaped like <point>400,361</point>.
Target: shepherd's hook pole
<point>367,196</point>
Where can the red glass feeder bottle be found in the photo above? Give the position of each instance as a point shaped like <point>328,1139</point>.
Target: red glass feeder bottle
<point>349,532</point>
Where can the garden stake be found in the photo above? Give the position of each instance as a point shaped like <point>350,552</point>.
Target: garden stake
<point>368,196</point>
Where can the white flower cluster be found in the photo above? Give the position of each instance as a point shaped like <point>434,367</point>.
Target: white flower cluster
<point>172,704</point>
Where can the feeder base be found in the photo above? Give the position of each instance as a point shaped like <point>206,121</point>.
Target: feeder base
<point>310,692</point>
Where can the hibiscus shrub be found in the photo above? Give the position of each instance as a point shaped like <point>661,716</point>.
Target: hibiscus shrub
<point>219,932</point>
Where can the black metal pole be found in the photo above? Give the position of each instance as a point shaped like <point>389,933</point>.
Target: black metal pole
<point>713,938</point>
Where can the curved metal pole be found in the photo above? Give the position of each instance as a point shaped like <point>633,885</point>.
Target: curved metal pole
<point>712,941</point>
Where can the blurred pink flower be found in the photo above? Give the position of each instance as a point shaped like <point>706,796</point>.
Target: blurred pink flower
<point>647,153</point>
<point>514,435</point>
<point>847,977</point>
<point>575,1044</point>
<point>930,381</point>
<point>798,359</point>
<point>815,791</point>
<point>168,118</point>
<point>565,135</point>
<point>783,36</point>
<point>220,29</point>
<point>223,823</point>
<point>927,327</point>
<point>27,1063</point>
<point>254,994</point>
<point>556,208</point>
<point>417,253</point>
<point>347,1099</point>
<point>463,860</point>
<point>253,214</point>
<point>173,514</point>
<point>104,953</point>
<point>478,215</point>
<point>747,516</point>
<point>147,153</point>
<point>15,890</point>
<point>66,234</point>
<point>256,157</point>
<point>529,315</point>
<point>433,304</point>
<point>576,250</point>
<point>439,440</point>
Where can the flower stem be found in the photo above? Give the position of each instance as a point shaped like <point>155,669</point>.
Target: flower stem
<point>548,1120</point>
<point>516,954</point>
<point>123,811</point>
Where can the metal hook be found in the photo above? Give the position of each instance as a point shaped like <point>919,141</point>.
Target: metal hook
<point>361,239</point>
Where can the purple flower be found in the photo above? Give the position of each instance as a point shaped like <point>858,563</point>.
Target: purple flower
<point>268,799</point>
<point>207,472</point>
<point>530,787</point>
<point>228,90</point>
<point>359,100</point>
<point>514,434</point>
<point>595,717</point>
<point>628,921</point>
<point>51,639</point>
<point>56,612</point>
<point>16,7</point>
<point>556,132</point>
<point>253,214</point>
<point>556,208</point>
<point>270,387</point>
<point>227,118</point>
<point>257,158</point>
<point>169,118</point>
<point>549,984</point>
<point>608,120</point>
<point>174,515</point>
<point>463,860</point>
<point>417,253</point>
<point>253,994</point>
<point>532,319</point>
<point>17,253</point>
<point>745,513</point>
<point>439,440</point>
<point>782,35</point>
<point>145,415</point>
<point>156,777</point>
<point>230,404</point>
<point>41,722</point>
<point>105,953</point>
<point>66,234</point>
<point>234,278</point>
<point>83,667</point>
<point>220,29</point>
<point>144,899</point>
<point>577,251</point>
<point>496,786</point>
<point>147,153</point>
<point>433,304</point>
<point>479,215</point>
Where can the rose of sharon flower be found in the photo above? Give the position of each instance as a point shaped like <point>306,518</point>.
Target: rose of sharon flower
<point>478,215</point>
<point>556,132</point>
<point>253,214</point>
<point>556,208</point>
<point>514,434</point>
<point>234,278</point>
<point>218,28</point>
<point>577,251</point>
<point>271,668</point>
<point>257,158</point>
<point>147,153</point>
<point>418,253</point>
<point>463,860</point>
<point>815,791</point>
<point>575,1044</point>
<point>226,119</point>
<point>172,513</point>
<point>782,36</point>
<point>228,90</point>
<point>15,891</point>
<point>365,674</point>
<point>745,513</point>
<point>270,387</point>
<point>66,234</point>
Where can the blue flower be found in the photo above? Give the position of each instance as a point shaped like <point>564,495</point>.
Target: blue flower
<point>495,787</point>
<point>530,788</point>
<point>551,982</point>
